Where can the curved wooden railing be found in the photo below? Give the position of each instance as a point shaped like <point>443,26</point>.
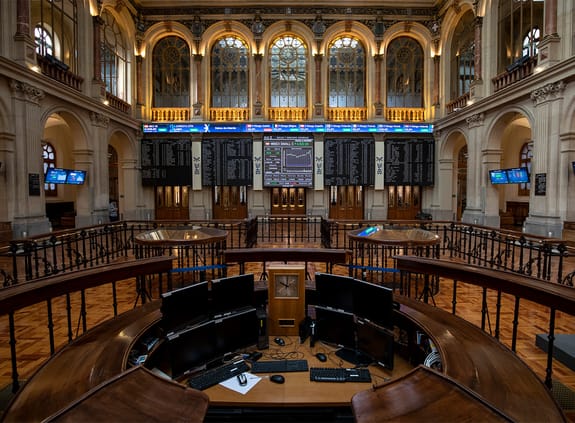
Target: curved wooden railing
<point>554,296</point>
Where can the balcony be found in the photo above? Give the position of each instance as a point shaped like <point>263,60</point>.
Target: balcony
<point>459,103</point>
<point>347,114</point>
<point>404,114</point>
<point>117,103</point>
<point>288,113</point>
<point>55,69</point>
<point>229,114</point>
<point>171,114</point>
<point>518,70</point>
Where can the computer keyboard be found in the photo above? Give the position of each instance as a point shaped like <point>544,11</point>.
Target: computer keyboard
<point>216,375</point>
<point>279,366</point>
<point>338,374</point>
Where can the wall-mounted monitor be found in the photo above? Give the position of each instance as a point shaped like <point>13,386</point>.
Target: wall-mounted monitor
<point>288,161</point>
<point>76,177</point>
<point>55,175</point>
<point>518,175</point>
<point>498,176</point>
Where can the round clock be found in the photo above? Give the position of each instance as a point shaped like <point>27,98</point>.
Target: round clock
<point>286,286</point>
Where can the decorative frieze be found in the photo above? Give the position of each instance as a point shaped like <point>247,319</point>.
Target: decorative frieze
<point>475,121</point>
<point>27,91</point>
<point>99,119</point>
<point>549,92</point>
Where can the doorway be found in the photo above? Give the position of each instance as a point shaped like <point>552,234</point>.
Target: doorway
<point>404,202</point>
<point>288,201</point>
<point>172,203</point>
<point>229,202</point>
<point>346,202</point>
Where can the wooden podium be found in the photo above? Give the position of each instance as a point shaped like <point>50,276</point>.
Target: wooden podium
<point>286,298</point>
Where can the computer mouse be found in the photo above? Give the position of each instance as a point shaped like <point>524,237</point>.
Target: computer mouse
<point>277,379</point>
<point>321,357</point>
<point>242,379</point>
<point>279,341</point>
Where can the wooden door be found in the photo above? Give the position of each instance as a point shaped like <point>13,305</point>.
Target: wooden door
<point>288,201</point>
<point>172,203</point>
<point>346,202</point>
<point>229,202</point>
<point>404,202</point>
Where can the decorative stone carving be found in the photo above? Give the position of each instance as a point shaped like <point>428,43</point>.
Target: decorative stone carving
<point>475,120</point>
<point>99,119</point>
<point>548,92</point>
<point>27,91</point>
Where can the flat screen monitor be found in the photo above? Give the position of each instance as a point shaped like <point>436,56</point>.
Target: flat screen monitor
<point>288,161</point>
<point>76,177</point>
<point>334,291</point>
<point>232,293</point>
<point>518,175</point>
<point>191,348</point>
<point>373,302</point>
<point>236,331</point>
<point>375,342</point>
<point>498,176</point>
<point>55,176</point>
<point>335,327</point>
<point>184,306</point>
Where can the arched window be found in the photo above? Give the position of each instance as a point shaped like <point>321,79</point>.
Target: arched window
<point>531,42</point>
<point>229,67</point>
<point>114,58</point>
<point>404,73</point>
<point>463,56</point>
<point>525,156</point>
<point>288,70</point>
<point>49,161</point>
<point>56,30</point>
<point>346,73</point>
<point>519,30</point>
<point>171,72</point>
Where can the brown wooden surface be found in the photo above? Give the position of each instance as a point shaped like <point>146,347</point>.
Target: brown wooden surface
<point>298,390</point>
<point>94,358</point>
<point>422,395</point>
<point>25,294</point>
<point>252,255</point>
<point>556,296</point>
<point>477,361</point>
<point>137,395</point>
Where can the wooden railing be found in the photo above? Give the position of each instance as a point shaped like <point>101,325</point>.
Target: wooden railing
<point>59,71</point>
<point>296,114</point>
<point>459,103</point>
<point>514,73</point>
<point>347,114</point>
<point>47,290</point>
<point>118,104</point>
<point>558,298</point>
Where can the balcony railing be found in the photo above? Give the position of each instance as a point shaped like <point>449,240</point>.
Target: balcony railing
<point>118,103</point>
<point>55,69</point>
<point>517,71</point>
<point>288,113</point>
<point>171,114</point>
<point>347,114</point>
<point>404,114</point>
<point>229,114</point>
<point>459,103</point>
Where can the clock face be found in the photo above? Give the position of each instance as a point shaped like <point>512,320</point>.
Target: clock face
<point>286,286</point>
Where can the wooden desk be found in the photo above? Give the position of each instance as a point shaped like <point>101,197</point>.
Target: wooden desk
<point>298,390</point>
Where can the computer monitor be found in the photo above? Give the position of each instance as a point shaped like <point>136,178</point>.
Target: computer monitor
<point>334,291</point>
<point>55,175</point>
<point>232,293</point>
<point>376,343</point>
<point>373,302</point>
<point>76,177</point>
<point>498,176</point>
<point>236,331</point>
<point>184,306</point>
<point>191,348</point>
<point>335,327</point>
<point>518,175</point>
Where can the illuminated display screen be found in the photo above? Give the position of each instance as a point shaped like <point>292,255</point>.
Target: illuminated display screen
<point>177,128</point>
<point>288,161</point>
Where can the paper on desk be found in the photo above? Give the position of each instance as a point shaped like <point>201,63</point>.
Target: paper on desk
<point>233,384</point>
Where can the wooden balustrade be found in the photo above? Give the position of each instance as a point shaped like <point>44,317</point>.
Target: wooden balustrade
<point>55,69</point>
<point>347,114</point>
<point>404,114</point>
<point>118,104</point>
<point>515,72</point>
<point>229,114</point>
<point>171,114</point>
<point>459,103</point>
<point>295,114</point>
